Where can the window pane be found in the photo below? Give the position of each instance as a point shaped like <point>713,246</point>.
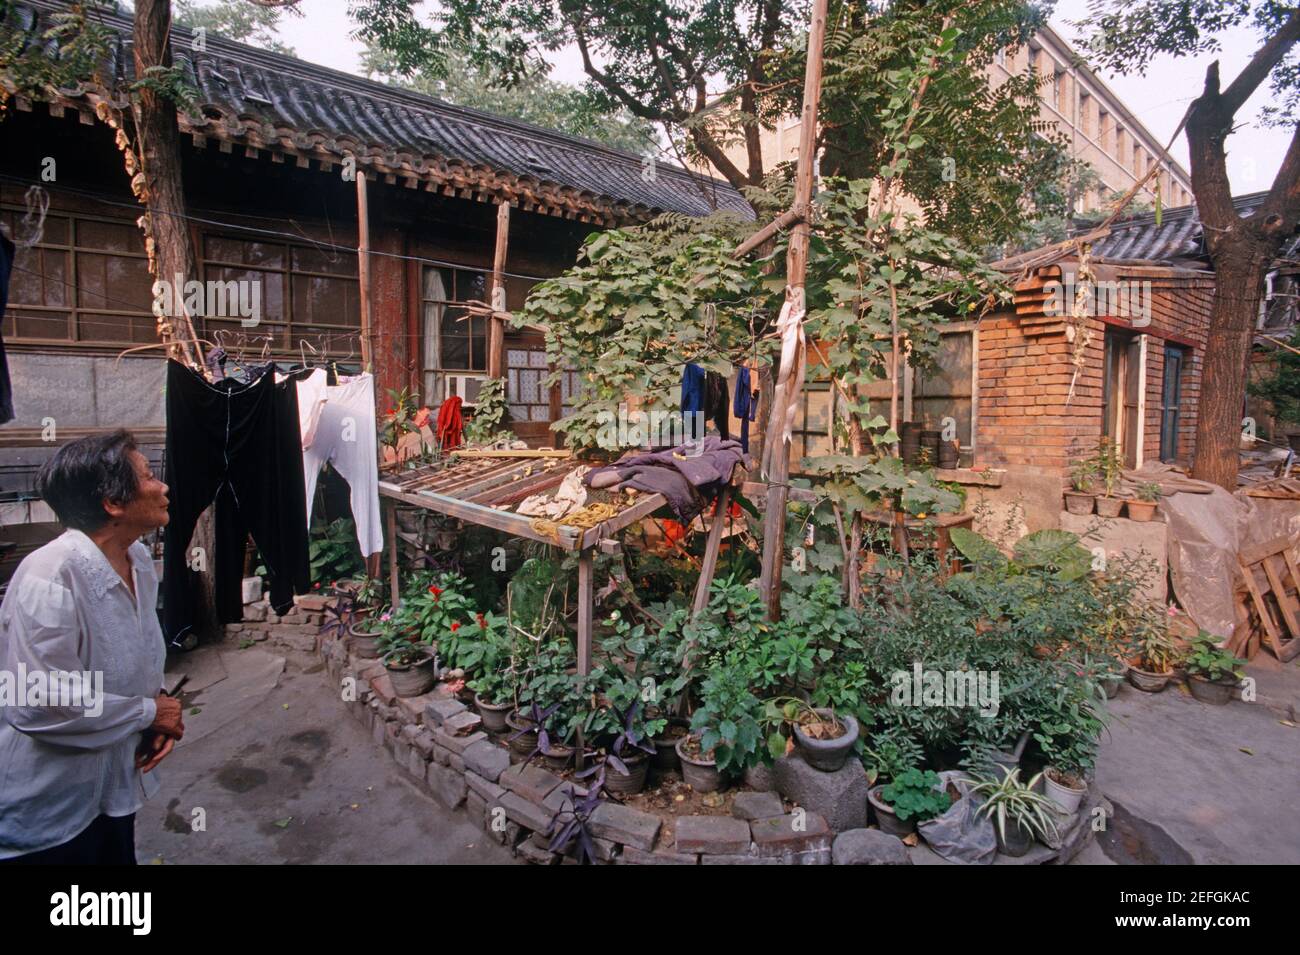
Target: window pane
<point>437,284</point>
<point>326,301</point>
<point>333,261</point>
<point>471,286</point>
<point>272,285</point>
<point>239,252</point>
<point>94,327</point>
<point>455,339</point>
<point>39,277</point>
<point>22,324</point>
<point>113,282</point>
<point>110,237</point>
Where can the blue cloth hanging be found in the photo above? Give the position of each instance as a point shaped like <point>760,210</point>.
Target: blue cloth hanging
<point>745,405</point>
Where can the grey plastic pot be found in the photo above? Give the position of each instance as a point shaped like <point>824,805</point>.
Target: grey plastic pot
<point>665,758</point>
<point>700,774</point>
<point>638,768</point>
<point>1111,684</point>
<point>1214,692</point>
<point>1018,839</point>
<point>1066,798</point>
<point>886,818</point>
<point>828,755</point>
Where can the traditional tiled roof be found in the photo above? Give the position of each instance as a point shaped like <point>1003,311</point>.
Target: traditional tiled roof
<point>267,101</point>
<point>1177,240</point>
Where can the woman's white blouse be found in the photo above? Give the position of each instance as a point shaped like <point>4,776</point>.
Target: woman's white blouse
<point>67,610</point>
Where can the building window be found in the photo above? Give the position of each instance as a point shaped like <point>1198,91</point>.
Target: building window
<point>305,294</point>
<point>1171,402</point>
<point>454,343</point>
<point>1085,115</point>
<point>86,281</point>
<point>1001,58</point>
<point>1105,129</point>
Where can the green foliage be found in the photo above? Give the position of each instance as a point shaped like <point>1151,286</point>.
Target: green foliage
<point>434,609</point>
<point>1068,727</point>
<point>1083,474</point>
<point>548,679</point>
<point>1282,387</point>
<point>629,313</point>
<point>244,22</point>
<point>333,553</point>
<point>729,719</point>
<point>1008,799</point>
<point>1149,491</point>
<point>1048,551</point>
<point>67,54</point>
<point>399,419</point>
<point>914,794</point>
<point>489,413</point>
<point>1205,659</point>
<point>1110,465</point>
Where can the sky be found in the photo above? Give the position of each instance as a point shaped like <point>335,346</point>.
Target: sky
<point>1158,99</point>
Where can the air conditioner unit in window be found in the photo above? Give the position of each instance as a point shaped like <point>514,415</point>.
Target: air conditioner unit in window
<point>465,387</point>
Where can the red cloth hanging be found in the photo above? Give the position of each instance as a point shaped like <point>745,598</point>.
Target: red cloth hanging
<point>450,424</point>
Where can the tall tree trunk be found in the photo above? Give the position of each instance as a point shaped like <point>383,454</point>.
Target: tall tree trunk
<point>168,237</point>
<point>1238,286</point>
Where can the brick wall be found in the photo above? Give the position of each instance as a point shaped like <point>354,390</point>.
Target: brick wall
<point>1026,368</point>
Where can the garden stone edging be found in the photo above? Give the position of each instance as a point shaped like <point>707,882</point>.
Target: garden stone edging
<point>514,804</point>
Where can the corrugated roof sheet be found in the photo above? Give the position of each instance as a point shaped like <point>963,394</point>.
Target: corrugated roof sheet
<point>240,86</point>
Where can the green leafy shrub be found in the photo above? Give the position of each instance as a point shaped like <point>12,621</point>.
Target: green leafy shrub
<point>914,794</point>
<point>1206,659</point>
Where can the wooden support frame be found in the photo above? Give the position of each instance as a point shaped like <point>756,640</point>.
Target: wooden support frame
<point>496,322</point>
<point>1277,561</point>
<point>363,267</point>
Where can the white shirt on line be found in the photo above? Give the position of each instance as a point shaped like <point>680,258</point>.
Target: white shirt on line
<point>68,610</point>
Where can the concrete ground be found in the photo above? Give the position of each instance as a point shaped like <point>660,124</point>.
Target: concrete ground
<point>283,775</point>
<point>1200,784</point>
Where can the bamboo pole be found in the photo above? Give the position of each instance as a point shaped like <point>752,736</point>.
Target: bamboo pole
<point>363,266</point>
<point>792,360</point>
<point>497,322</point>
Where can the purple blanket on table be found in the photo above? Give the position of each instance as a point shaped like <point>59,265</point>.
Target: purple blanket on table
<point>689,476</point>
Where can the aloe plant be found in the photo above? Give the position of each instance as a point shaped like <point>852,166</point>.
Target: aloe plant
<point>1011,799</point>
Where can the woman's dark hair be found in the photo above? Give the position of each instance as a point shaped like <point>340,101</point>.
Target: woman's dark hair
<point>83,473</point>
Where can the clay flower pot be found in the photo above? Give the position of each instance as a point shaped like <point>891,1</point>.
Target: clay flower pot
<point>1148,682</point>
<point>413,678</point>
<point>1110,506</point>
<point>886,818</point>
<point>364,643</point>
<point>1078,502</point>
<point>1141,511</point>
<point>1214,692</point>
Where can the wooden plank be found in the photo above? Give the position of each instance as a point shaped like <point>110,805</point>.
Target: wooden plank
<point>629,515</point>
<point>1286,603</point>
<point>526,487</point>
<point>393,581</point>
<point>363,268</point>
<point>503,521</point>
<point>471,453</point>
<point>1265,617</point>
<point>493,480</point>
<point>496,324</point>
<point>586,601</point>
<point>711,548</point>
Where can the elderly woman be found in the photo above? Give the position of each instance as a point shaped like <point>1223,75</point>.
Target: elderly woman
<point>80,615</point>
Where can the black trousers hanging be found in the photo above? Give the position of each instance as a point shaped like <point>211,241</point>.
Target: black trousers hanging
<point>235,446</point>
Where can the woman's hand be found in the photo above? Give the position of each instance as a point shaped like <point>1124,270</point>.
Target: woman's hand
<point>168,719</point>
<point>153,751</point>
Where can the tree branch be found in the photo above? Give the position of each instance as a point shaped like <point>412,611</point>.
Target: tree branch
<point>1261,64</point>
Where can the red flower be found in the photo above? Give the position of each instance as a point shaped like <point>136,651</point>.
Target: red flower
<point>455,627</point>
<point>481,622</point>
<point>436,591</point>
<point>316,586</point>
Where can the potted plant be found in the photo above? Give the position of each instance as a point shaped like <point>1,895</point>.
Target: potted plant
<point>410,664</point>
<point>1066,730</point>
<point>364,635</point>
<point>1109,465</point>
<point>626,762</point>
<point>1212,672</point>
<point>1020,813</point>
<point>824,739</point>
<point>1143,508</point>
<point>726,732</point>
<point>487,654</point>
<point>912,796</point>
<point>1079,499</point>
<point>1152,666</point>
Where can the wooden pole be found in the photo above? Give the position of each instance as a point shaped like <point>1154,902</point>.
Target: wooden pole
<point>363,266</point>
<point>586,602</point>
<point>792,361</point>
<point>497,322</point>
<point>394,582</point>
<point>711,548</point>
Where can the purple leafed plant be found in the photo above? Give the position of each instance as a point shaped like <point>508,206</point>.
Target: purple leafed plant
<point>573,824</point>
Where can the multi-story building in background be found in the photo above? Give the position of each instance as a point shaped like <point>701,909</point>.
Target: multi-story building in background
<point>1101,131</point>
